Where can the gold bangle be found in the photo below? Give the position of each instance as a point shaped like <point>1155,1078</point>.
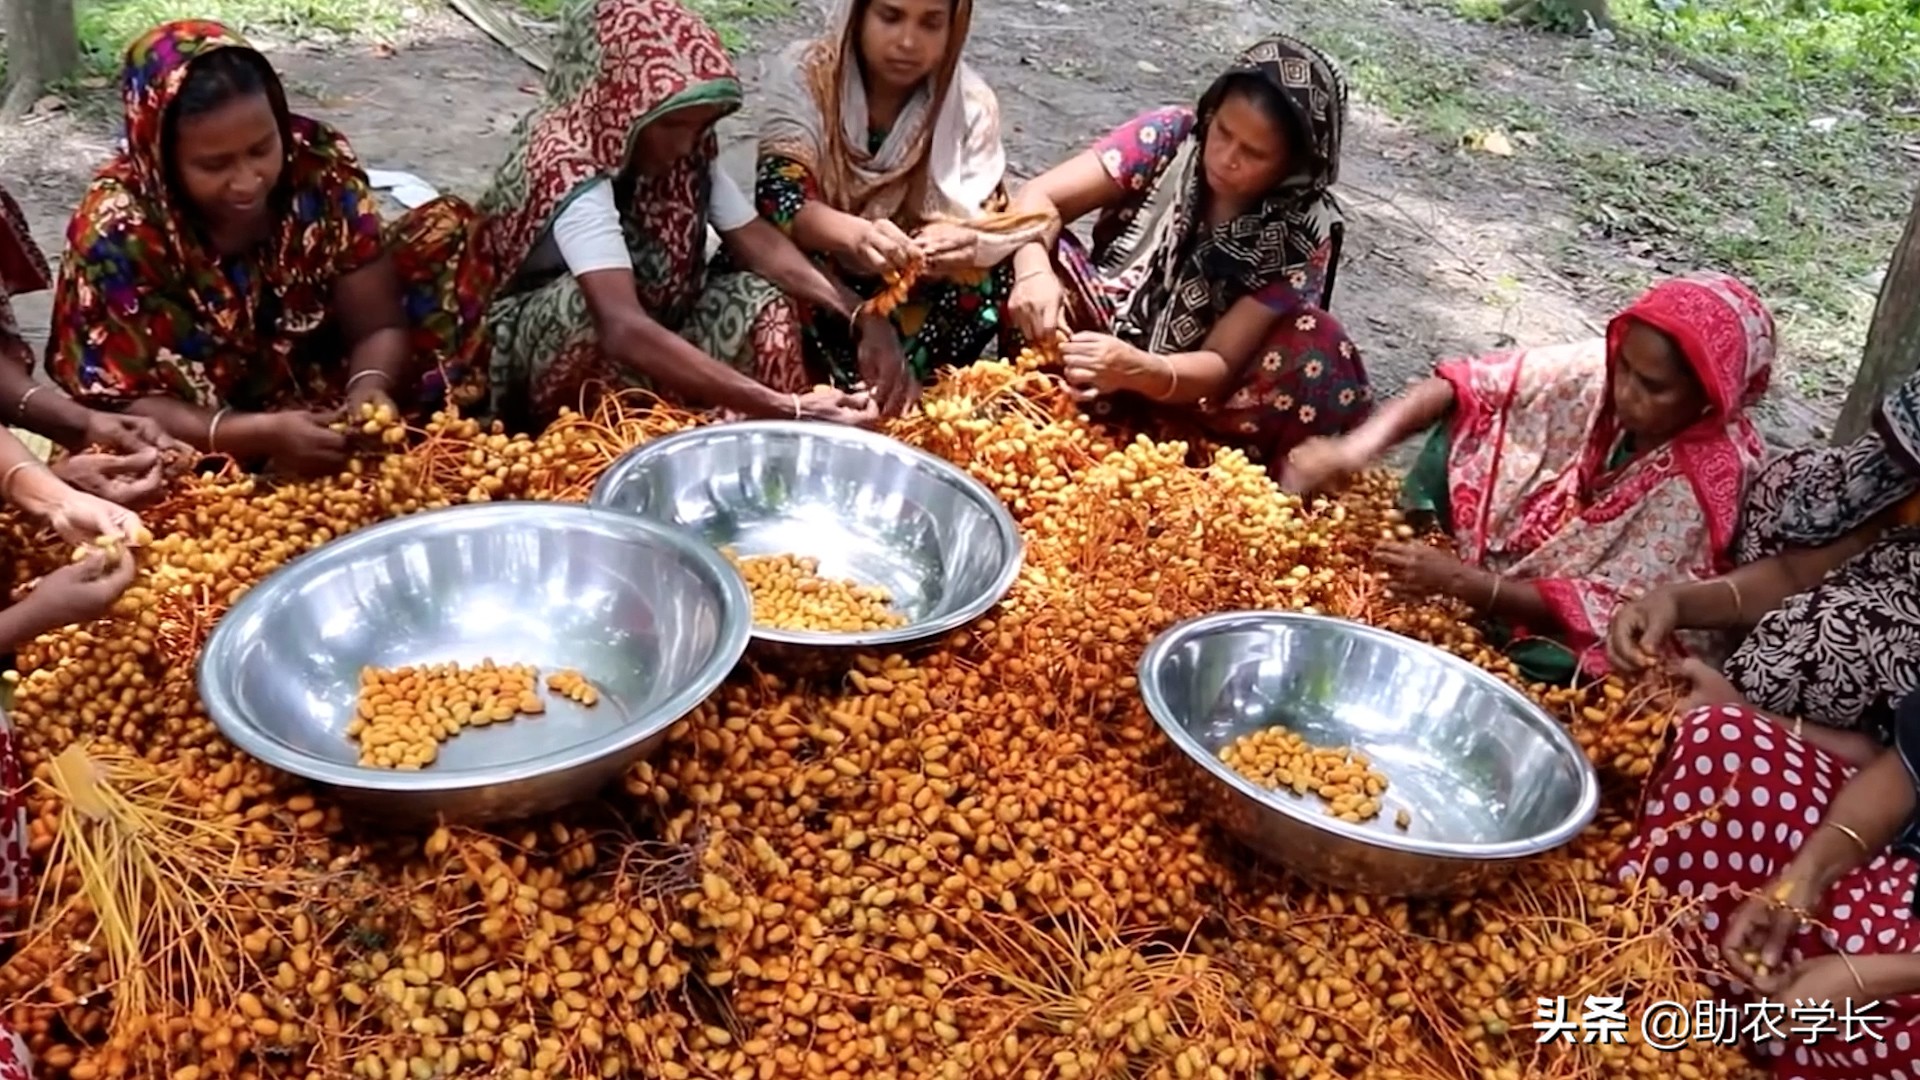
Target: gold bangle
<point>6,482</point>
<point>1739,605</point>
<point>1855,972</point>
<point>1851,835</point>
<point>213,426</point>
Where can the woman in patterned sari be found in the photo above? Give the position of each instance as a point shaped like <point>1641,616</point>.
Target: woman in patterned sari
<point>600,217</point>
<point>1579,476</point>
<point>1204,300</point>
<point>227,274</point>
<point>880,145</point>
<point>1828,600</point>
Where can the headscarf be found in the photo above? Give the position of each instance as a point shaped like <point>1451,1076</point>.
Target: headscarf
<point>1190,274</point>
<point>942,159</point>
<point>23,269</point>
<point>1534,485</point>
<point>144,306</point>
<point>618,65</point>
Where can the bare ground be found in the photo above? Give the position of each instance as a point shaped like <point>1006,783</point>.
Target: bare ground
<point>1448,251</point>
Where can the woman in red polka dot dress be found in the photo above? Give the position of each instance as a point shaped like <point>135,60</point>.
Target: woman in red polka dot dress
<point>1805,868</point>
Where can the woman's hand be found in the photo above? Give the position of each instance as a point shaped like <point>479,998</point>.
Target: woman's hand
<point>1098,364</point>
<point>880,246</point>
<point>127,479</point>
<point>1759,929</point>
<point>1708,686</point>
<point>883,368</point>
<point>132,434</point>
<point>947,247</point>
<point>303,443</point>
<point>369,390</point>
<point>83,518</point>
<point>82,591</point>
<point>834,407</point>
<point>1037,306</point>
<point>1319,463</point>
<point>1642,629</point>
<point>1426,569</point>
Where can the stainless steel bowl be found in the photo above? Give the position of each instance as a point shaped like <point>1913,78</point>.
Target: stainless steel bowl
<point>1485,776</point>
<point>652,617</point>
<point>871,508</point>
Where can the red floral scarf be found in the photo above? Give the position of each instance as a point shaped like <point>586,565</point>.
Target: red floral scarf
<point>1534,491</point>
<point>618,65</point>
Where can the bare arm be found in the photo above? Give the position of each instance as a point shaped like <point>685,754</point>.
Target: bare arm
<point>367,303</point>
<point>49,411</point>
<point>1069,191</point>
<point>1877,803</point>
<point>1738,600</point>
<point>1412,412</point>
<point>761,248</point>
<point>819,227</point>
<point>636,342</point>
<point>1206,373</point>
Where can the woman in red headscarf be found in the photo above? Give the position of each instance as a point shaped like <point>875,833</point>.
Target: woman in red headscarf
<point>228,275</point>
<point>1576,477</point>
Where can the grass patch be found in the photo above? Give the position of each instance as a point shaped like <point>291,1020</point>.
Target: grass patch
<point>107,27</point>
<point>1796,184</point>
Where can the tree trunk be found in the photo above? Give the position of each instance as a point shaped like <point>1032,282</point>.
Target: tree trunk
<point>42,48</point>
<point>1893,339</point>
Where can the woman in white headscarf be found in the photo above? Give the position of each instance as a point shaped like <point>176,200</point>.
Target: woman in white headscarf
<point>880,145</point>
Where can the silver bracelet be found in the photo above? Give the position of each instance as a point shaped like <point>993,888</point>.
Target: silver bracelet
<point>213,426</point>
<point>358,375</point>
<point>796,405</point>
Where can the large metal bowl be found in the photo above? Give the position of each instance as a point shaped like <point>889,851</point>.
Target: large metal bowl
<point>1486,777</point>
<point>652,617</point>
<point>871,508</point>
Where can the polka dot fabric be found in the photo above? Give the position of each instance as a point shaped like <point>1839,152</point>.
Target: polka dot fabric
<point>1772,790</point>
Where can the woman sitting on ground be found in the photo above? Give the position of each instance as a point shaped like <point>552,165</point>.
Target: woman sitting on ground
<point>600,214</point>
<point>1577,476</point>
<point>78,592</point>
<point>227,276</point>
<point>1829,613</point>
<point>134,475</point>
<point>1205,295</point>
<point>1805,873</point>
<point>880,144</point>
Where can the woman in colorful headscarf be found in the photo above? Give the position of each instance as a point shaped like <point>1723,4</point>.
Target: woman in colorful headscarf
<point>1204,299</point>
<point>1803,871</point>
<point>600,217</point>
<point>227,274</point>
<point>1579,476</point>
<point>1827,602</point>
<point>880,150</point>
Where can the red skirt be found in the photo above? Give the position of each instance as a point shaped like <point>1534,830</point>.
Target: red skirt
<point>1773,791</point>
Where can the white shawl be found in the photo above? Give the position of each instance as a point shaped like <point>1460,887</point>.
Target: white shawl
<point>960,148</point>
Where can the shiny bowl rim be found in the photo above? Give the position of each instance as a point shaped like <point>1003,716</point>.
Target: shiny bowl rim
<point>224,711</point>
<point>1576,821</point>
<point>1005,527</point>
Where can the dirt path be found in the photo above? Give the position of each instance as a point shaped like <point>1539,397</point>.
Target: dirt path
<point>1445,253</point>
